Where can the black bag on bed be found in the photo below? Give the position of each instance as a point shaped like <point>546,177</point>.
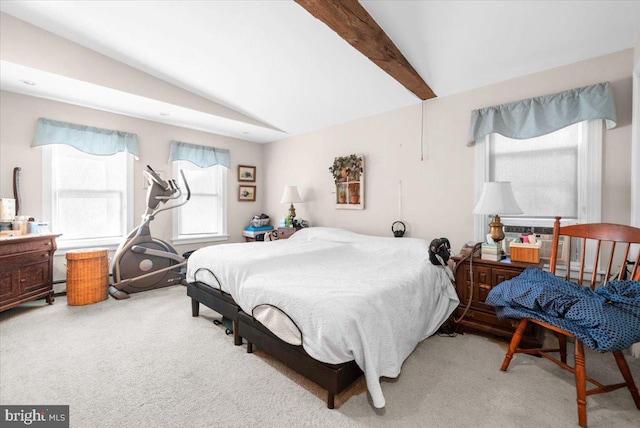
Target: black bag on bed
<point>439,251</point>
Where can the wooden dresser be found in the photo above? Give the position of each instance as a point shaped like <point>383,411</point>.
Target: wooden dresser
<point>26,269</point>
<point>481,316</point>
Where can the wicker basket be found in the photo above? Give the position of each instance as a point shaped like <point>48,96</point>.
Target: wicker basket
<point>87,276</point>
<point>260,222</point>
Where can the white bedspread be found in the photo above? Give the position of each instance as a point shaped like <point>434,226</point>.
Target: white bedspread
<point>353,297</point>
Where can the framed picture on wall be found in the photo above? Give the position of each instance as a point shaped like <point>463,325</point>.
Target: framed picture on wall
<point>246,173</point>
<point>247,193</point>
<point>348,176</point>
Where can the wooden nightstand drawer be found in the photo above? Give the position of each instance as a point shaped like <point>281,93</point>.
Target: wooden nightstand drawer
<point>482,317</point>
<point>286,232</point>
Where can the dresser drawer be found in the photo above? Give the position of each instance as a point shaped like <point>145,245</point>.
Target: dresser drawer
<point>491,319</point>
<point>286,232</point>
<point>9,280</point>
<point>34,277</point>
<point>26,246</point>
<point>20,260</point>
<point>482,317</point>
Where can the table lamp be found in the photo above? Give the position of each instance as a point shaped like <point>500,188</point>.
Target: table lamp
<point>497,198</point>
<point>289,196</point>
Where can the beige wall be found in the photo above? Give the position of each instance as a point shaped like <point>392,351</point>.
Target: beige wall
<point>437,192</point>
<point>18,116</point>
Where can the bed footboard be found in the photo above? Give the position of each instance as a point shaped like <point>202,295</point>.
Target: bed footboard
<point>333,377</point>
<point>220,302</point>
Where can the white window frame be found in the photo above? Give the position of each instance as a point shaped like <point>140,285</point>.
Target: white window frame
<point>589,183</point>
<point>635,162</point>
<point>48,187</point>
<point>222,212</point>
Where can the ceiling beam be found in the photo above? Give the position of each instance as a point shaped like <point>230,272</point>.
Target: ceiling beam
<point>354,24</point>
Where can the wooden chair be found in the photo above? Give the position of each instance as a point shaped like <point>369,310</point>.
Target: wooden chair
<point>613,237</point>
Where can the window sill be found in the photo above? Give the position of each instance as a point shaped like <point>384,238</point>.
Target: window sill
<point>200,239</point>
<point>63,247</point>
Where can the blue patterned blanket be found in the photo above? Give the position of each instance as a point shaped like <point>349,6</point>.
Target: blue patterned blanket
<point>607,319</point>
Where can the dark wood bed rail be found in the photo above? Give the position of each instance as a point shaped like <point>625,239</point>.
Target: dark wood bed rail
<point>220,302</point>
<point>335,378</point>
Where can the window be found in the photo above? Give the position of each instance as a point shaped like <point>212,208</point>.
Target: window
<point>204,217</point>
<point>87,198</point>
<point>556,174</point>
<point>542,171</point>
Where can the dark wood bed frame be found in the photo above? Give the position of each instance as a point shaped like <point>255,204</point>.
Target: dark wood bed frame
<point>335,378</point>
<point>217,300</point>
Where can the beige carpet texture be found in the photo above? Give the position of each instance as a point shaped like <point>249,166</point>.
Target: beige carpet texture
<point>146,362</point>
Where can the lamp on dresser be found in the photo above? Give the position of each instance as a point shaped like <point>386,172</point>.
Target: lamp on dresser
<point>497,198</point>
<point>289,196</point>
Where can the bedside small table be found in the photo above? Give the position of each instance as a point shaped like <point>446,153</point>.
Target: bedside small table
<point>251,236</point>
<point>482,317</point>
<point>286,232</point>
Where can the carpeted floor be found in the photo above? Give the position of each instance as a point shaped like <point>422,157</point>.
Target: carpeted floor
<point>146,362</point>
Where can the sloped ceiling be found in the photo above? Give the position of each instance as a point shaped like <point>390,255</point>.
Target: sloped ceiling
<point>283,72</point>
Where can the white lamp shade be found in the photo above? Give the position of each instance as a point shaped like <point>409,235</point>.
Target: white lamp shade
<point>497,198</point>
<point>290,195</point>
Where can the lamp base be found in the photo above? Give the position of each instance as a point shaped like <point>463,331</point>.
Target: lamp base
<point>495,230</point>
<point>292,212</point>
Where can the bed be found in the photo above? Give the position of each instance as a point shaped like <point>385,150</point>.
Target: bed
<point>327,298</point>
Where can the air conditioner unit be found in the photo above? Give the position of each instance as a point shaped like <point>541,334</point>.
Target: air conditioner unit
<point>569,249</point>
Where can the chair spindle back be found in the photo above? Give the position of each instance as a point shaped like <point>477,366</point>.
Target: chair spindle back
<point>606,238</point>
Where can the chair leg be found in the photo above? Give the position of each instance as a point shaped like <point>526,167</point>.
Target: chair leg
<point>515,341</point>
<point>581,383</point>
<point>626,374</point>
<point>562,345</point>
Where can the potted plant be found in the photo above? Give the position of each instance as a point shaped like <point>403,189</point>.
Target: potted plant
<point>346,167</point>
<point>354,167</point>
<point>354,193</point>
<point>342,195</point>
<point>339,169</point>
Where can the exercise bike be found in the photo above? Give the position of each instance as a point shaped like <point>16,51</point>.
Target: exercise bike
<point>142,262</point>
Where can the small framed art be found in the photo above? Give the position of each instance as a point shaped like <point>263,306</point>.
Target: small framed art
<point>247,193</point>
<point>246,173</point>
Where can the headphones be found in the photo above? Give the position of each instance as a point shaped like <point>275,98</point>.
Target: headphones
<point>399,231</point>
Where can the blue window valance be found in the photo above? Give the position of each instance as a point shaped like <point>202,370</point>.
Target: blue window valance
<point>202,156</point>
<point>541,115</point>
<point>95,141</point>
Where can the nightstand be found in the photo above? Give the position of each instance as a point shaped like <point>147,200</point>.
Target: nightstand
<point>286,232</point>
<point>250,236</point>
<point>482,317</point>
